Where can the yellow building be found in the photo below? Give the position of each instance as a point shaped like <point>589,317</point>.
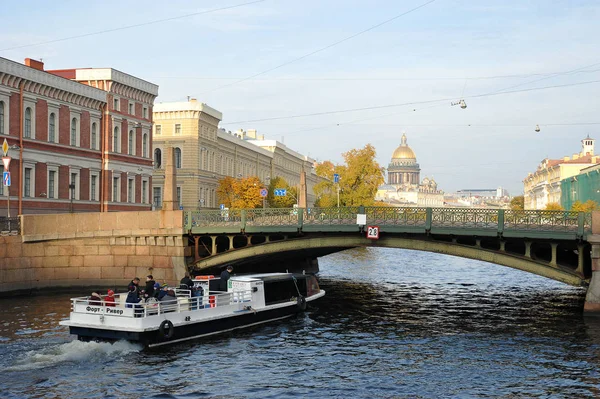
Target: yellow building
<point>542,187</point>
<point>204,154</point>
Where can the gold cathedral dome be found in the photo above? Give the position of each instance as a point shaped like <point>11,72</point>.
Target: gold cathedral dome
<point>404,151</point>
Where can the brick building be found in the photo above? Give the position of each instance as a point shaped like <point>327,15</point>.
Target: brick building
<point>80,139</point>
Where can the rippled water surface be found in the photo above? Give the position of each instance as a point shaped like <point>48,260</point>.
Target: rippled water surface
<point>394,323</point>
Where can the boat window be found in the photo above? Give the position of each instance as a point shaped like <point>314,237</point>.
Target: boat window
<point>283,290</point>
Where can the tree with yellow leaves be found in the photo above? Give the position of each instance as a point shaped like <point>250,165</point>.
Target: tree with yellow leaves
<point>554,206</point>
<point>587,206</point>
<point>240,193</point>
<point>359,179</point>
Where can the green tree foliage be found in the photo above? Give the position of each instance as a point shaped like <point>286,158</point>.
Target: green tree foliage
<point>281,202</point>
<point>359,179</point>
<point>517,203</point>
<point>587,206</point>
<point>554,206</point>
<point>240,193</point>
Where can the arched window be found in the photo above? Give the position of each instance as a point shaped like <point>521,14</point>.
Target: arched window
<point>52,128</point>
<point>130,143</point>
<point>157,158</point>
<point>74,131</point>
<point>178,158</point>
<point>145,145</point>
<point>94,136</point>
<point>27,133</point>
<point>116,139</point>
<point>1,117</point>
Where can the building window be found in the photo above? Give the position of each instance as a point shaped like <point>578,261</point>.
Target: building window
<point>178,158</point>
<point>27,133</point>
<point>145,112</point>
<point>74,131</point>
<point>179,197</point>
<point>51,184</point>
<point>157,197</point>
<point>116,140</point>
<point>131,109</point>
<point>158,130</point>
<point>130,142</point>
<point>52,128</point>
<point>116,190</point>
<point>73,186</point>
<point>157,158</point>
<point>145,145</point>
<point>144,192</point>
<point>116,104</point>
<point>27,183</point>
<point>93,187</point>
<point>178,129</point>
<point>1,117</point>
<point>130,191</point>
<point>94,136</point>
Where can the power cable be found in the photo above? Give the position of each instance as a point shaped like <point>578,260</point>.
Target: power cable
<point>133,26</point>
<point>324,48</point>
<point>411,103</point>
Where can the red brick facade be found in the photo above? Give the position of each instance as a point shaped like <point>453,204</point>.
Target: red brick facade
<point>68,100</point>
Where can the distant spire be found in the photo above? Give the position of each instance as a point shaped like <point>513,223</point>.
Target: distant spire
<point>403,139</point>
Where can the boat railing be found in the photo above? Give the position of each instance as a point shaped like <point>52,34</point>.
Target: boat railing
<point>152,307</point>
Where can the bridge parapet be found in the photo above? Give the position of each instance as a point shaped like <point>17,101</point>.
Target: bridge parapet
<point>461,221</point>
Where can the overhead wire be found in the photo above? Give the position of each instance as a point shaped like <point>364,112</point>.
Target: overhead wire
<point>412,103</point>
<point>323,48</point>
<point>132,26</point>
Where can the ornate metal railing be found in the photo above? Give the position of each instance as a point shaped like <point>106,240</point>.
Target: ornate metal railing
<point>10,225</point>
<point>392,219</point>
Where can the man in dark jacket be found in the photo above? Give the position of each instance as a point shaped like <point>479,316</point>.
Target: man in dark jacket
<point>149,290</point>
<point>187,281</point>
<point>225,274</point>
<point>134,284</point>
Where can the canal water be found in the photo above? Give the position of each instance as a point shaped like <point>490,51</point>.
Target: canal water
<point>394,324</point>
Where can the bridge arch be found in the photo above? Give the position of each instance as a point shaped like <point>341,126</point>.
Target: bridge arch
<point>313,247</point>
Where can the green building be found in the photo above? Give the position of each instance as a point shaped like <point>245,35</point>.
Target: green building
<point>585,186</point>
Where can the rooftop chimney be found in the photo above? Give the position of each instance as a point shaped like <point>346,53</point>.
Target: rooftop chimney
<point>39,65</point>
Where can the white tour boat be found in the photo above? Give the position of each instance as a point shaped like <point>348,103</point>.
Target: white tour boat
<point>202,311</point>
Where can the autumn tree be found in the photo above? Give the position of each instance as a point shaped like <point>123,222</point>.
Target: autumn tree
<point>587,206</point>
<point>517,203</point>
<point>225,191</point>
<point>326,190</point>
<point>360,177</point>
<point>554,206</point>
<point>240,193</point>
<point>287,201</point>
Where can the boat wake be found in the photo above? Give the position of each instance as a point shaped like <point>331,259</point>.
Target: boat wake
<point>74,351</point>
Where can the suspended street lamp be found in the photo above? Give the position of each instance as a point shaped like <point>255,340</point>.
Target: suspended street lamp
<point>462,104</point>
<point>537,128</point>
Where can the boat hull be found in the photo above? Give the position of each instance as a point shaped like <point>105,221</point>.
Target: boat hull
<point>188,330</point>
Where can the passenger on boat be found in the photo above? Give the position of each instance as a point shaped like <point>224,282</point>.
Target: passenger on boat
<point>109,299</point>
<point>156,290</point>
<point>169,301</point>
<point>132,297</point>
<point>187,281</point>
<point>149,290</point>
<point>163,291</point>
<point>134,283</point>
<point>95,299</point>
<point>225,274</point>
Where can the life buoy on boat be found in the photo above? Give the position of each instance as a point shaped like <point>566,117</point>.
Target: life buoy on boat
<point>166,329</point>
<point>301,303</point>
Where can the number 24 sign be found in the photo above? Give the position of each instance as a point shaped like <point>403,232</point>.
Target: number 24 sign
<point>373,232</point>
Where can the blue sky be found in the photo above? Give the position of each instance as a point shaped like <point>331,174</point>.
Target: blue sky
<point>434,52</point>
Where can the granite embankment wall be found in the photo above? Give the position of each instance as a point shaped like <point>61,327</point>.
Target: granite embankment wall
<point>93,249</point>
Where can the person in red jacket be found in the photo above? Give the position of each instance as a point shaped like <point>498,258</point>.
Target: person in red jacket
<point>109,300</point>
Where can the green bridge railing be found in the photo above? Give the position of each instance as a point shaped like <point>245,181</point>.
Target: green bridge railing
<point>460,221</point>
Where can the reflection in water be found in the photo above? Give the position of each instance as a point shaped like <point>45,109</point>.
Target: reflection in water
<point>393,324</point>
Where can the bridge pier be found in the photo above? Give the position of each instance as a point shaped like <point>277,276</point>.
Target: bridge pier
<point>592,298</point>
<point>553,246</point>
<point>528,249</point>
